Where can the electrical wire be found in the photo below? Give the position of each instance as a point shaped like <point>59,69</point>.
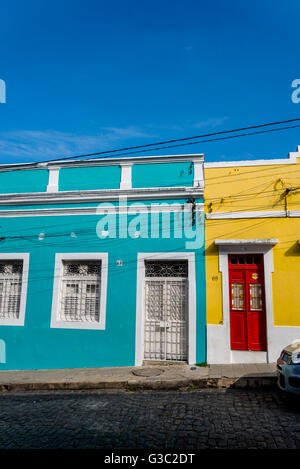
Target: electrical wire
<point>180,140</point>
<point>145,147</point>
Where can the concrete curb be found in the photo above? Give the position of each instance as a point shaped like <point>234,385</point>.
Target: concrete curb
<point>265,381</point>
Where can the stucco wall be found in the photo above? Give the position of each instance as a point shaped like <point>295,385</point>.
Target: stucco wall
<point>101,177</point>
<point>36,345</point>
<point>238,191</point>
<point>23,181</point>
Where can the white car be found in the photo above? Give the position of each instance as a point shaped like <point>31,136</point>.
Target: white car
<point>288,368</point>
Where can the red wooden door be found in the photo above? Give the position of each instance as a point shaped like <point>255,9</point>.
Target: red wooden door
<point>247,303</point>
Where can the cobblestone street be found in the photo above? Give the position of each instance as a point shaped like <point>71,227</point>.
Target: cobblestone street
<point>210,418</point>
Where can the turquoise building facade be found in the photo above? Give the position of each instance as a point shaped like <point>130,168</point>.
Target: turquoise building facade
<point>102,262</point>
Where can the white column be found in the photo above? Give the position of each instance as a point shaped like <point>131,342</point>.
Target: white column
<point>198,174</point>
<point>126,176</point>
<point>53,180</point>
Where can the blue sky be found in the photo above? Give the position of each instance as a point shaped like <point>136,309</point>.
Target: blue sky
<point>86,76</point>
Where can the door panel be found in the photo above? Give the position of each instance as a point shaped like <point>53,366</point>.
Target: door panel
<point>165,319</point>
<point>176,318</point>
<point>238,314</point>
<point>256,315</point>
<point>154,316</point>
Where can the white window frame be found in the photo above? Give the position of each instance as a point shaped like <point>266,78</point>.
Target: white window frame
<point>24,257</point>
<point>140,310</point>
<point>58,274</point>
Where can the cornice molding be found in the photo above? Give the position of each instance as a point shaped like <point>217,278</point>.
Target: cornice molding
<point>158,159</point>
<point>246,242</point>
<point>100,195</point>
<point>236,215</point>
<point>258,214</point>
<point>291,159</point>
<point>128,209</point>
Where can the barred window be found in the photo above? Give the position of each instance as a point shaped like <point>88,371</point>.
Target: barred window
<point>10,289</point>
<point>80,291</point>
<point>256,303</point>
<point>166,269</point>
<point>237,296</point>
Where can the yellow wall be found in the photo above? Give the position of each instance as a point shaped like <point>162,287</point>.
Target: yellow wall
<point>248,189</point>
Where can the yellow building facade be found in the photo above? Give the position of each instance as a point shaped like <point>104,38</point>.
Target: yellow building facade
<point>252,232</point>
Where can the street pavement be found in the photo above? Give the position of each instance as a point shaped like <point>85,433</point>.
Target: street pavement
<point>151,377</point>
<point>115,420</point>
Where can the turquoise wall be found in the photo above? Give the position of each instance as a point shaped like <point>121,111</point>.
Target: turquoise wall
<point>94,177</point>
<point>163,175</point>
<point>37,346</point>
<point>98,177</point>
<point>23,181</point>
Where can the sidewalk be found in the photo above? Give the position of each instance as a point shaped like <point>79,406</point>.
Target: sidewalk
<point>149,377</point>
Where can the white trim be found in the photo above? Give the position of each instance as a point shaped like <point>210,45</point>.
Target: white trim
<point>258,214</point>
<point>24,256</point>
<point>139,336</point>
<point>153,208</point>
<point>55,323</point>
<point>291,159</point>
<point>261,214</point>
<point>100,195</point>
<point>198,174</point>
<point>293,213</point>
<point>53,180</point>
<point>105,162</point>
<point>246,242</point>
<point>246,356</point>
<point>126,182</point>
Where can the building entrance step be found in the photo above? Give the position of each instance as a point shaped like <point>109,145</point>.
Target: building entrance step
<point>162,363</point>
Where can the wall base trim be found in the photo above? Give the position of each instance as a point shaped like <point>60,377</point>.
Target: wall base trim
<point>218,349</point>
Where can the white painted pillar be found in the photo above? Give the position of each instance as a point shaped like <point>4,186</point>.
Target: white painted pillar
<point>126,182</point>
<point>53,180</point>
<point>198,174</point>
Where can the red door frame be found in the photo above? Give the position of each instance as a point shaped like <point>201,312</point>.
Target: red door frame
<point>247,326</point>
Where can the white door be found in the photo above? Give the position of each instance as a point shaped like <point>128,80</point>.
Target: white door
<point>166,311</point>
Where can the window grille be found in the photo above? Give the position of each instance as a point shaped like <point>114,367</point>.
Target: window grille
<point>80,291</point>
<point>166,310</point>
<point>166,269</point>
<point>10,289</point>
<point>256,296</point>
<point>237,295</point>
<point>249,260</point>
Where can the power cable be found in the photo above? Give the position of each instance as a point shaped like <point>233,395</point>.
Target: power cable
<point>179,140</point>
<point>156,144</point>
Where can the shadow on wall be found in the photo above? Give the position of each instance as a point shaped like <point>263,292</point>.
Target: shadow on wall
<point>294,250</point>
<point>212,250</point>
